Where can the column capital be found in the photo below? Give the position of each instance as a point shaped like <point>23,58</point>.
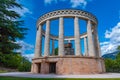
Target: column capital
<point>76,17</point>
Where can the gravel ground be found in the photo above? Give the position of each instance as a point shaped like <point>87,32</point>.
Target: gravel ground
<point>30,75</point>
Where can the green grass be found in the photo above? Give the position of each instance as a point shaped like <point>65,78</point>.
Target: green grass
<point>3,71</point>
<point>17,78</point>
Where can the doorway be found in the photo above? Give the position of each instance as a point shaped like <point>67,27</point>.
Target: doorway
<point>39,67</point>
<point>52,67</point>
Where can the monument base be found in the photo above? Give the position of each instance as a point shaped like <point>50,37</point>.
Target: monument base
<point>67,65</point>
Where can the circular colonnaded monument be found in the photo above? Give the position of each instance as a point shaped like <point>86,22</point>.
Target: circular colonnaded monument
<point>68,62</point>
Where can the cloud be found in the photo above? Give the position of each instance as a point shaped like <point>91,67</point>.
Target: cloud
<point>27,50</point>
<point>50,1</point>
<point>25,46</point>
<point>29,56</point>
<point>104,43</point>
<point>22,11</point>
<point>113,34</point>
<point>74,3</point>
<point>114,40</point>
<point>25,10</point>
<point>109,48</point>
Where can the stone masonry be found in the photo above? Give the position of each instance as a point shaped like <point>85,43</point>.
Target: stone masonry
<point>67,61</point>
<point>71,65</point>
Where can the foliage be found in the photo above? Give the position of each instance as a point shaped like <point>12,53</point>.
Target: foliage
<point>10,31</point>
<point>113,65</point>
<point>56,51</point>
<point>3,71</point>
<point>118,48</point>
<point>15,61</point>
<point>10,60</point>
<point>25,65</point>
<point>10,26</point>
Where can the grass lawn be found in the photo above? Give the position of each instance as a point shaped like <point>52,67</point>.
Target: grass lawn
<point>3,71</point>
<point>17,78</point>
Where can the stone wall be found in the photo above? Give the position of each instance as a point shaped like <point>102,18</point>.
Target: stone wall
<point>71,65</point>
<point>79,66</point>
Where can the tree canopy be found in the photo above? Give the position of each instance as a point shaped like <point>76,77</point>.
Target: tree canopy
<point>113,65</point>
<point>11,30</point>
<point>10,26</point>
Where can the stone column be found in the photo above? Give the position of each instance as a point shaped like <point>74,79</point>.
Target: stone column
<point>32,68</point>
<point>35,68</point>
<point>96,41</point>
<point>85,46</point>
<point>38,46</point>
<point>47,39</point>
<point>91,49</point>
<point>77,36</point>
<point>61,37</point>
<point>53,49</point>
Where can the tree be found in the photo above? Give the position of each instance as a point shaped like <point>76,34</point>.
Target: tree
<point>56,51</point>
<point>118,48</point>
<point>10,26</point>
<point>113,65</point>
<point>15,61</point>
<point>25,65</point>
<point>10,31</point>
<point>10,60</point>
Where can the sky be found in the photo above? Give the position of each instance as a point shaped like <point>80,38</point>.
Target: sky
<point>106,11</point>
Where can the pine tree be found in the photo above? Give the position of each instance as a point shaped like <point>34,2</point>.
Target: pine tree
<point>10,26</point>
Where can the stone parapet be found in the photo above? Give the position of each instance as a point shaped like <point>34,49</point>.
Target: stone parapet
<point>67,13</point>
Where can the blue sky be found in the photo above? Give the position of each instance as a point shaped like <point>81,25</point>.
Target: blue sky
<point>106,11</point>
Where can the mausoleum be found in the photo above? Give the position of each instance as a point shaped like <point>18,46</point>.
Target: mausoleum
<point>69,60</point>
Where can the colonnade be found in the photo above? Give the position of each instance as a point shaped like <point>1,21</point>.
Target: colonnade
<point>65,62</point>
<point>91,43</point>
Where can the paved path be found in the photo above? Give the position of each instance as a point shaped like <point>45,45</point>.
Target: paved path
<point>28,74</point>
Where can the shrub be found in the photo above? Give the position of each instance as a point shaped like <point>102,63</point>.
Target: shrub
<point>15,61</point>
<point>113,65</point>
<point>25,65</point>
